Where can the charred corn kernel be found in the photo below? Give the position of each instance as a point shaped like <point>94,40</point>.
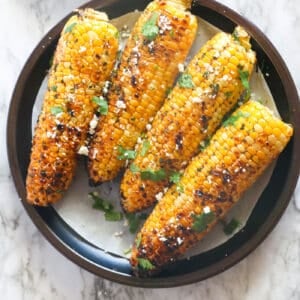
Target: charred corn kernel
<point>180,220</point>
<point>159,41</point>
<point>207,90</point>
<point>85,55</point>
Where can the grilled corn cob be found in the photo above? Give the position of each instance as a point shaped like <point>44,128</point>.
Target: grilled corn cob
<point>212,183</point>
<point>159,41</point>
<point>83,60</point>
<point>208,89</point>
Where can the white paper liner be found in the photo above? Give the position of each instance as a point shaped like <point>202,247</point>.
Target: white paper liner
<point>76,207</point>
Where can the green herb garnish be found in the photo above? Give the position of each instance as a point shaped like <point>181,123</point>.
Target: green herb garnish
<point>232,119</point>
<point>186,81</point>
<point>70,27</point>
<point>202,221</point>
<point>215,88</point>
<point>134,168</point>
<point>55,110</point>
<point>138,241</point>
<point>236,36</point>
<point>134,221</point>
<point>145,264</point>
<point>228,94</point>
<point>109,213</point>
<point>150,30</point>
<point>145,147</point>
<point>113,216</point>
<point>179,188</point>
<point>231,226</point>
<point>127,251</point>
<point>102,103</point>
<point>53,88</point>
<point>244,76</point>
<point>175,177</point>
<point>157,175</point>
<point>168,91</point>
<point>125,154</point>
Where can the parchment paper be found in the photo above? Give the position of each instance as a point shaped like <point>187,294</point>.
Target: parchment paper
<point>76,207</point>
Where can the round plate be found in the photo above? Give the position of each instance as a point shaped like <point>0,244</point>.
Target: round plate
<point>264,217</point>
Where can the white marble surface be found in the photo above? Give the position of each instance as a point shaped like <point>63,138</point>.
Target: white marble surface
<point>30,268</point>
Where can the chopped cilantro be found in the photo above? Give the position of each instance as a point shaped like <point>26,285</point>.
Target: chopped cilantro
<point>70,27</point>
<point>127,251</point>
<point>109,213</point>
<point>231,226</point>
<point>138,240</point>
<point>172,33</point>
<point>175,177</point>
<point>157,175</point>
<point>235,36</point>
<point>134,221</point>
<point>228,94</point>
<point>232,119</point>
<point>103,105</point>
<point>215,88</point>
<point>55,110</point>
<point>125,154</point>
<point>206,74</point>
<point>168,91</point>
<point>145,264</point>
<point>134,168</point>
<point>179,188</point>
<point>145,147</point>
<point>202,221</point>
<point>150,30</point>
<point>113,215</point>
<point>186,81</point>
<point>53,88</point>
<point>244,76</point>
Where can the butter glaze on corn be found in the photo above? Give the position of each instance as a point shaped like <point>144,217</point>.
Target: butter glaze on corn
<point>213,181</point>
<point>147,71</point>
<point>190,115</point>
<point>84,58</point>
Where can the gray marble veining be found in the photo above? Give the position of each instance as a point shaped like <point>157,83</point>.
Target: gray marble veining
<point>30,268</point>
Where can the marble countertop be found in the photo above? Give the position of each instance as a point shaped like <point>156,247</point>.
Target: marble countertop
<point>30,268</point>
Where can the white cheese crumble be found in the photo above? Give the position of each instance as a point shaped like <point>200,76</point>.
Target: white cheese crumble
<point>118,233</point>
<point>120,104</point>
<point>181,68</point>
<point>179,241</point>
<point>159,196</point>
<point>83,150</point>
<point>82,49</point>
<point>93,125</point>
<point>197,100</point>
<point>148,127</point>
<point>206,210</point>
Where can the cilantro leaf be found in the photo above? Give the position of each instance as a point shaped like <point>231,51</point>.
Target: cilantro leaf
<point>125,154</point>
<point>145,264</point>
<point>202,221</point>
<point>70,27</point>
<point>55,110</point>
<point>138,240</point>
<point>186,81</point>
<point>102,103</point>
<point>231,226</point>
<point>175,177</point>
<point>53,88</point>
<point>244,76</point>
<point>109,213</point>
<point>134,168</point>
<point>154,175</point>
<point>112,215</point>
<point>127,251</point>
<point>150,30</point>
<point>145,147</point>
<point>133,222</point>
<point>232,119</point>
